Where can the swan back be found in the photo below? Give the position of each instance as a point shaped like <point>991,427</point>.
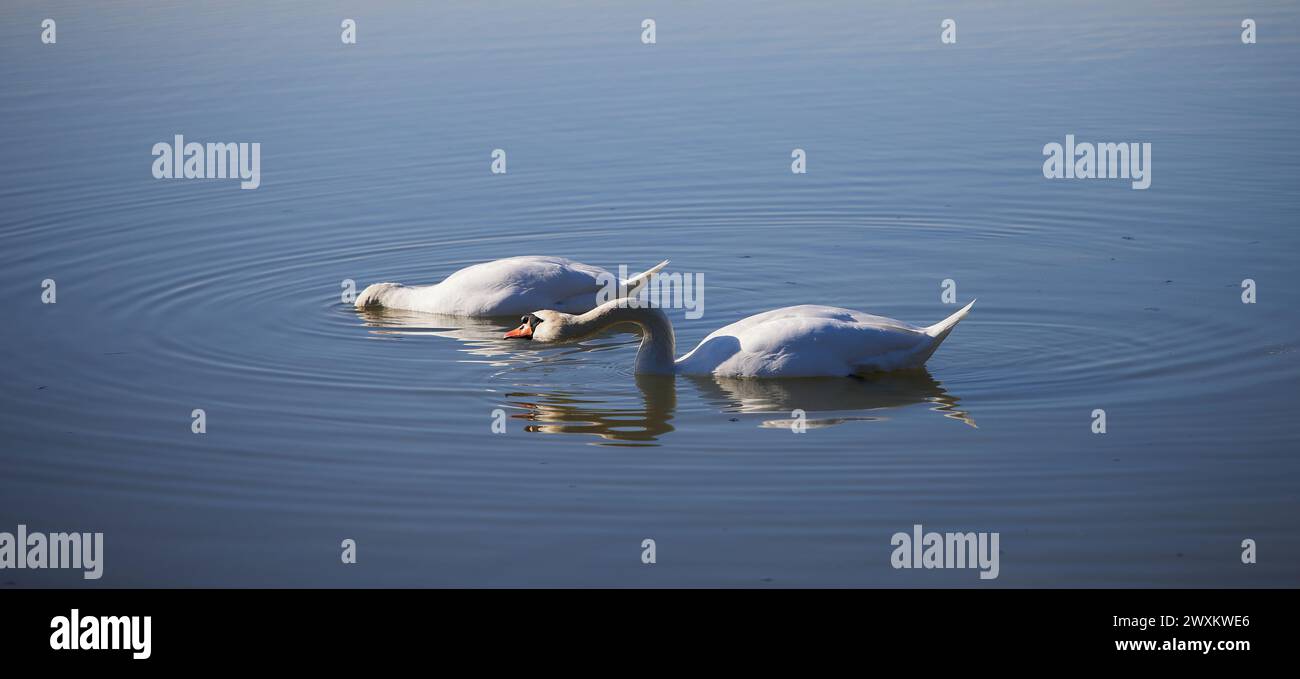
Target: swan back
<point>504,287</point>
<point>809,341</point>
<point>508,287</point>
<point>517,285</point>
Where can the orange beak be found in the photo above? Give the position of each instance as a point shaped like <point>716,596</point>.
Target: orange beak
<point>523,331</point>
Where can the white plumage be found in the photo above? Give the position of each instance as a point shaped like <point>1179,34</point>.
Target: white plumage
<point>504,287</point>
<point>797,341</point>
<point>810,341</point>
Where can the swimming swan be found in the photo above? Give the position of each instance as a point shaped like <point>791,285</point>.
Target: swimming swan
<point>796,341</point>
<point>505,287</point>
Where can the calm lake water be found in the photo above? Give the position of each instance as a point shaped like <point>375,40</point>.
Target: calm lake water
<point>924,164</point>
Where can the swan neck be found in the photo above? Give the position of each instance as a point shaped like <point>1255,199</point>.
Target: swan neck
<point>658,344</point>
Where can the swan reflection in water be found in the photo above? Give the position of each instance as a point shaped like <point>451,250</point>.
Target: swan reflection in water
<point>481,336</point>
<point>629,424</point>
<point>862,399</point>
<point>849,399</point>
<point>616,418</point>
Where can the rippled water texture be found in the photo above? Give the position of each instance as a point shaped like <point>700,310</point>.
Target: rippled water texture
<point>924,164</point>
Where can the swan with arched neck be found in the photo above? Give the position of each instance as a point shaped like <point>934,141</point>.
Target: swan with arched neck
<point>796,341</point>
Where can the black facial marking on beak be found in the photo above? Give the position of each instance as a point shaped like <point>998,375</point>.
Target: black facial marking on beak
<point>526,326</point>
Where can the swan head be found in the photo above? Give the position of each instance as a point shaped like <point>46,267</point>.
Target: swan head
<point>544,326</point>
<point>556,326</point>
<point>654,356</point>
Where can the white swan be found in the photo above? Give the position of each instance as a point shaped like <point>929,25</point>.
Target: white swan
<point>505,287</point>
<point>796,341</point>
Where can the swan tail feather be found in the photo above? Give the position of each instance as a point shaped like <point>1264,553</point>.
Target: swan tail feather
<point>941,329</point>
<point>633,284</point>
<point>938,332</point>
